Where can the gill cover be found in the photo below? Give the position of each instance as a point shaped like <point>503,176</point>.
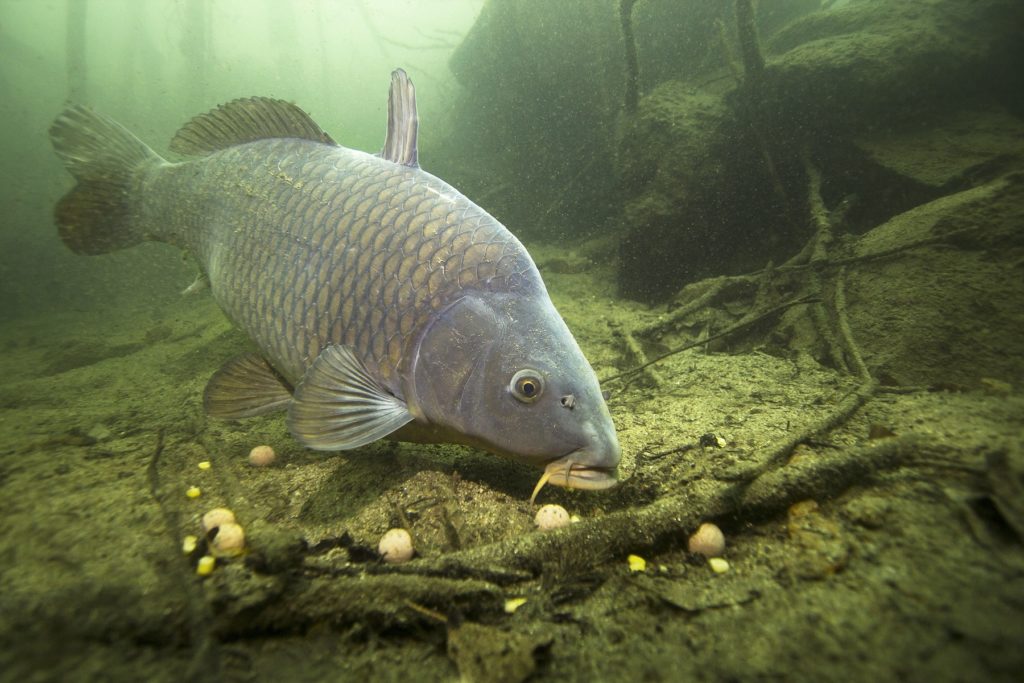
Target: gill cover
<point>453,353</point>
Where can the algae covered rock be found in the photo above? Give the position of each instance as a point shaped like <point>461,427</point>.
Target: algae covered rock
<point>700,199</point>
<point>895,104</point>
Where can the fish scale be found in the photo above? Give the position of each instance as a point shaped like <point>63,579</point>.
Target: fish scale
<point>296,259</point>
<point>381,301</point>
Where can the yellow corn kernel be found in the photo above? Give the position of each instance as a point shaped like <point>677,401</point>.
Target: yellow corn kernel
<point>188,544</point>
<point>512,604</point>
<point>206,565</point>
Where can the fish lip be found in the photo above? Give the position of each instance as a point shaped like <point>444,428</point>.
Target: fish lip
<point>568,473</point>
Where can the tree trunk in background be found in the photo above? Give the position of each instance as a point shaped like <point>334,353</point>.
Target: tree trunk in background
<point>324,56</point>
<point>75,49</point>
<point>280,20</point>
<point>542,90</point>
<point>132,49</point>
<point>196,49</point>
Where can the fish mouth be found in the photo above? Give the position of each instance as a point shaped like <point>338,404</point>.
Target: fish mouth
<point>567,471</point>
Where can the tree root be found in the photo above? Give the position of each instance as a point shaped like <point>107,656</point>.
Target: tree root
<point>641,366</point>
<point>843,412</point>
<point>746,321</point>
<point>757,491</point>
<point>804,278</point>
<point>846,334</point>
<point>381,601</point>
<point>715,289</point>
<point>474,583</point>
<point>826,475</point>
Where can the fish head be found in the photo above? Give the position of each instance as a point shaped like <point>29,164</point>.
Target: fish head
<point>503,372</point>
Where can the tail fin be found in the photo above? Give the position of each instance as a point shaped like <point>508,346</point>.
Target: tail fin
<point>97,216</point>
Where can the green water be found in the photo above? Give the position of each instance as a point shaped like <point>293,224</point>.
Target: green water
<point>821,200</point>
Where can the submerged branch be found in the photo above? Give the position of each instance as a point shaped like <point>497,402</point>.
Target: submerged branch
<point>846,334</point>
<point>747,321</point>
<point>750,45</point>
<point>668,520</point>
<point>475,582</point>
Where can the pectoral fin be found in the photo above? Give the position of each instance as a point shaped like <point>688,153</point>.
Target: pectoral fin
<point>339,406</point>
<point>245,387</point>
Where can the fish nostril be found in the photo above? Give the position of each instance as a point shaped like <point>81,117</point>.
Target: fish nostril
<point>569,401</point>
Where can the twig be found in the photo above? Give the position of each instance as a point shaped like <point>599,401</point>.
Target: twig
<point>822,238</point>
<point>684,448</point>
<point>746,321</point>
<point>852,350</point>
<point>634,354</point>
<point>436,45</point>
<point>815,253</point>
<point>715,287</point>
<point>775,456</point>
<point>823,326</point>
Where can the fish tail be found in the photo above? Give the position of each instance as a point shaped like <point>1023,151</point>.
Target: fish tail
<point>98,215</point>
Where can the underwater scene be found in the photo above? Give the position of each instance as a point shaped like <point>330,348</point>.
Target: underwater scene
<point>512,340</point>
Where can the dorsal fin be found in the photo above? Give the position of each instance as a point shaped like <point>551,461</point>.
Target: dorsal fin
<point>403,122</point>
<point>245,120</point>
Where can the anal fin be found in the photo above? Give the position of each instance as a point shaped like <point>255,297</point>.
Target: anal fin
<point>338,405</point>
<point>245,387</point>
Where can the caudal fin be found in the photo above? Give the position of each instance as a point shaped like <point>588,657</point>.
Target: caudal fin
<point>97,216</point>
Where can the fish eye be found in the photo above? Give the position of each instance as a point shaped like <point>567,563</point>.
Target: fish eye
<point>527,385</point>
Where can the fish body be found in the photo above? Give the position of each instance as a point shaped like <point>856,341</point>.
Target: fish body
<point>382,302</point>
